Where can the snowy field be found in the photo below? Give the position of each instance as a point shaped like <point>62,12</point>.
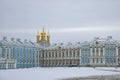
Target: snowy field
<point>54,73</point>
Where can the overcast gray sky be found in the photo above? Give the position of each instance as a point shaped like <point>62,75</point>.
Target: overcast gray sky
<point>66,20</point>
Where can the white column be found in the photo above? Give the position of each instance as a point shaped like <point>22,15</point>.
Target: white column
<point>76,54</point>
<point>61,53</point>
<point>91,55</point>
<point>35,58</point>
<point>95,55</point>
<point>116,55</point>
<point>72,53</point>
<point>68,53</point>
<point>0,52</point>
<point>95,51</point>
<point>47,54</point>
<point>50,54</point>
<point>99,49</point>
<point>65,54</point>
<point>8,53</point>
<point>104,59</point>
<point>38,58</point>
<point>65,61</point>
<point>14,64</point>
<point>99,58</point>
<point>80,56</point>
<point>6,64</point>
<point>57,54</point>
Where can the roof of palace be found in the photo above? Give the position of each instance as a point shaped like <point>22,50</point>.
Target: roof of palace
<point>96,42</point>
<point>16,42</point>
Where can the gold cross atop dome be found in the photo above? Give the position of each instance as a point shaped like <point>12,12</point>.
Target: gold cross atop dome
<point>43,29</point>
<point>43,33</point>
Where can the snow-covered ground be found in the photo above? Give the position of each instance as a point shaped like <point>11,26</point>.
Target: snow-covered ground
<point>109,68</point>
<point>53,73</point>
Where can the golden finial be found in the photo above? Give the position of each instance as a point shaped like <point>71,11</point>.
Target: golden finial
<point>43,29</point>
<point>43,33</point>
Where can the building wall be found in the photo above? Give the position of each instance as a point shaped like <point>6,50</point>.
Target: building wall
<point>84,55</point>
<point>24,55</point>
<point>59,57</point>
<point>0,51</point>
<point>97,53</point>
<point>110,56</point>
<point>5,61</point>
<point>119,56</point>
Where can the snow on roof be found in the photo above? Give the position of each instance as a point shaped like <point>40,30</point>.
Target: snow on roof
<point>16,42</point>
<point>5,42</point>
<point>96,42</point>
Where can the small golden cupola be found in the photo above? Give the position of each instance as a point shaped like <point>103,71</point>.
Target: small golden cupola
<point>48,38</point>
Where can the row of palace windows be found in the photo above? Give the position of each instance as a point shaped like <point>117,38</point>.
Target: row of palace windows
<point>60,61</point>
<point>97,60</point>
<point>60,54</point>
<point>25,65</point>
<point>70,54</point>
<point>17,52</point>
<point>100,60</point>
<point>10,66</point>
<point>25,61</point>
<point>96,50</point>
<point>86,52</point>
<point>110,60</point>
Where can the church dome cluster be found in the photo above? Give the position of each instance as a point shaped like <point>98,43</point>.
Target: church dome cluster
<point>43,38</point>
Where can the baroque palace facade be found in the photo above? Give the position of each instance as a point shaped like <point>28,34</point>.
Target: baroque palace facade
<point>26,54</point>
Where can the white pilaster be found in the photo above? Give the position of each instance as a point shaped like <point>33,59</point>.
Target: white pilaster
<point>104,59</point>
<point>6,52</point>
<point>65,54</point>
<point>69,53</point>
<point>14,64</point>
<point>38,58</point>
<point>95,51</point>
<point>72,53</point>
<point>91,55</point>
<point>6,64</point>
<point>80,56</point>
<point>99,49</point>
<point>0,52</point>
<point>116,55</point>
